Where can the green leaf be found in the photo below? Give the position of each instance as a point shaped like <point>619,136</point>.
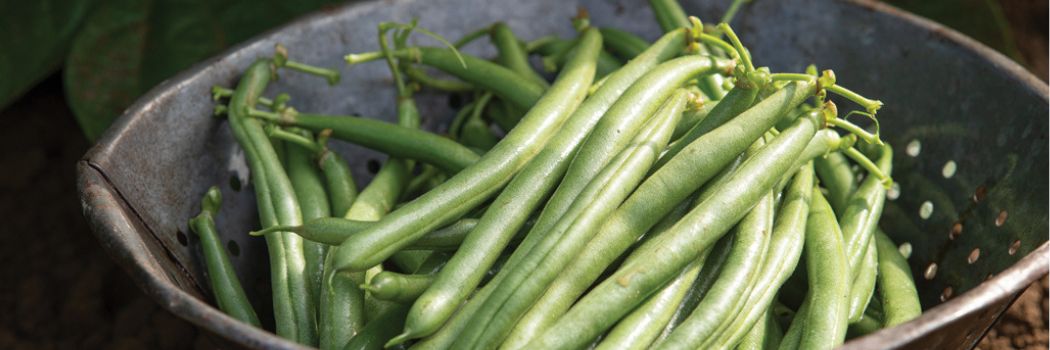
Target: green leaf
<point>127,46</point>
<point>35,37</point>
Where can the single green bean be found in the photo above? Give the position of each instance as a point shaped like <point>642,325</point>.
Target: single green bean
<point>900,300</point>
<point>862,213</point>
<point>472,186</point>
<point>623,44</point>
<point>380,330</point>
<point>510,54</point>
<point>691,118</point>
<point>863,287</point>
<point>735,102</point>
<point>527,190</point>
<point>397,287</point>
<point>395,140</point>
<point>825,322</point>
<point>488,76</point>
<point>834,172</point>
<point>225,286</point>
<point>765,334</point>
<point>667,254</point>
<point>309,186</point>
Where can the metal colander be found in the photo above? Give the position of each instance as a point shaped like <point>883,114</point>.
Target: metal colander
<point>969,129</point>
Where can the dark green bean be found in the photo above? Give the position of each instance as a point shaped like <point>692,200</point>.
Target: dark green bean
<point>488,76</point>
<point>309,186</point>
<point>475,184</point>
<point>632,282</point>
<point>735,102</point>
<point>396,287</point>
<point>225,286</point>
<point>900,300</point>
<point>374,335</point>
<point>293,306</point>
<point>623,44</point>
<point>397,141</point>
<point>510,54</point>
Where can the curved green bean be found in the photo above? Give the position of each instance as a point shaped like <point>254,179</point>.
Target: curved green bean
<point>900,300</point>
<point>225,286</point>
<point>510,54</point>
<point>623,44</point>
<point>396,287</point>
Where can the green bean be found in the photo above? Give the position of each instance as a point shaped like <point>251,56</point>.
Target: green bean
<point>733,283</point>
<point>866,325</point>
<point>691,118</point>
<point>475,132</point>
<point>559,54</point>
<point>488,76</point>
<point>670,16</point>
<point>342,190</point>
<point>510,54</point>
<point>527,189</point>
<point>823,325</point>
<point>309,186</point>
<point>397,141</point>
<point>475,184</point>
<point>298,309</point>
<point>639,328</point>
<point>380,330</point>
<point>448,85</point>
<point>333,231</point>
<point>225,286</point>
<point>863,287</point>
<point>834,172</point>
<point>624,289</point>
<point>862,213</point>
<point>900,300</point>
<point>623,44</point>
<point>765,334</point>
<point>735,102</point>
<point>396,287</point>
<point>527,280</point>
<point>658,195</point>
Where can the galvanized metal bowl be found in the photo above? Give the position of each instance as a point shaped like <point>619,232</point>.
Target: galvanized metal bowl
<point>969,126</point>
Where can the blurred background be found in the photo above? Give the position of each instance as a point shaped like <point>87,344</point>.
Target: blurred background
<point>69,67</point>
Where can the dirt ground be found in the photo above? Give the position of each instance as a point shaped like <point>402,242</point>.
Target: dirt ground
<point>61,292</point>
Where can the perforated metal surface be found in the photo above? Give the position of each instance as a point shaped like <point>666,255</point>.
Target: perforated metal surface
<point>969,127</point>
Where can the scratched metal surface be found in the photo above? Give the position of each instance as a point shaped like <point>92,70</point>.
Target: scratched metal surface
<point>969,129</point>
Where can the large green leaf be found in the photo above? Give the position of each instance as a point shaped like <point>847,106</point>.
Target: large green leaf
<point>127,46</point>
<point>34,37</point>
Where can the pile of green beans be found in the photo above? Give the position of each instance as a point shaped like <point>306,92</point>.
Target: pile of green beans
<point>650,195</point>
